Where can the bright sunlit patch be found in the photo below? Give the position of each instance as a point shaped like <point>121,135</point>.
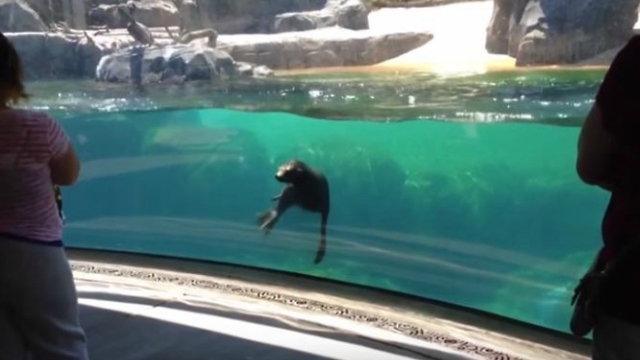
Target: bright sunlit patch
<point>458,45</point>
<point>296,341</point>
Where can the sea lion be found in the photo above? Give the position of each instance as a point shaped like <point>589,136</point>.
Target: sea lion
<point>138,31</point>
<point>306,188</point>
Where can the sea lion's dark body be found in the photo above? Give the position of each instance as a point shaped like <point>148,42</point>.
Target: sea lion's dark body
<point>138,31</point>
<point>306,188</point>
<point>141,33</point>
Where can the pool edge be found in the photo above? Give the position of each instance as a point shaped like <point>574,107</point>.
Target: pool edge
<point>403,302</point>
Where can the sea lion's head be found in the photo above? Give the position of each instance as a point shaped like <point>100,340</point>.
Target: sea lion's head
<point>131,6</point>
<point>127,10</point>
<point>292,172</point>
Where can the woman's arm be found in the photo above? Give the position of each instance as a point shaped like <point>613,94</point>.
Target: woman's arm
<point>65,168</point>
<point>64,162</point>
<point>613,114</point>
<point>595,152</point>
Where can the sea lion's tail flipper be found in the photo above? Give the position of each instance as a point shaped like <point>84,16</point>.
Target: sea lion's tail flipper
<point>267,220</point>
<point>322,247</point>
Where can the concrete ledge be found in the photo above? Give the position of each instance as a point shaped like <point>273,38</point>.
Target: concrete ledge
<point>446,325</point>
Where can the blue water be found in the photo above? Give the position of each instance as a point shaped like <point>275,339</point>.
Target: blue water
<point>466,194</point>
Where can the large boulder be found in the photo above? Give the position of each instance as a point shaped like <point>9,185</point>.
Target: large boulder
<point>66,58</point>
<point>78,56</point>
<point>152,13</point>
<point>72,12</point>
<point>18,16</point>
<point>349,14</point>
<point>266,16</point>
<point>538,32</point>
<point>75,13</point>
<point>44,8</point>
<point>235,16</point>
<point>172,64</point>
<point>321,47</point>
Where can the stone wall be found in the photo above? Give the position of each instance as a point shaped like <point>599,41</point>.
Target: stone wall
<point>540,32</point>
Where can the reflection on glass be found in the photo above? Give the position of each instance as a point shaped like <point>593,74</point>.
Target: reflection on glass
<point>449,180</point>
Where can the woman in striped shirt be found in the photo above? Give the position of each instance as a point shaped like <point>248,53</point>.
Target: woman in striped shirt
<point>38,300</point>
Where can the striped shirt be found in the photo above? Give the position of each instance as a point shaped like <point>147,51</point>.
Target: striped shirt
<point>28,141</point>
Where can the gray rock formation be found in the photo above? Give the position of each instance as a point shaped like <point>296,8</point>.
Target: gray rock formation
<point>76,56</point>
<point>44,8</point>
<point>72,12</point>
<point>321,48</point>
<point>538,32</point>
<point>349,14</point>
<point>152,13</point>
<point>172,64</point>
<point>65,57</point>
<point>17,15</point>
<point>266,16</point>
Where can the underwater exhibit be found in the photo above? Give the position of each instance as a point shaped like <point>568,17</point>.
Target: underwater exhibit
<point>449,157</point>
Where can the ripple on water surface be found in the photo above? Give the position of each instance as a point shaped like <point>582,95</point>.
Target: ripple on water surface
<point>553,96</point>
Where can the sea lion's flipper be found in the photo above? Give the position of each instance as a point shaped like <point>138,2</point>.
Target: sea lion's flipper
<point>322,247</point>
<point>267,220</point>
<point>277,197</point>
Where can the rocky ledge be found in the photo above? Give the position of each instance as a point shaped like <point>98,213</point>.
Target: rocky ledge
<point>328,47</point>
<point>272,32</point>
<point>177,63</point>
<point>226,16</point>
<point>559,32</point>
<point>215,38</point>
<point>77,54</point>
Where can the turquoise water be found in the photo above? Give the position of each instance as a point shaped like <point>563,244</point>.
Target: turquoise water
<point>461,190</point>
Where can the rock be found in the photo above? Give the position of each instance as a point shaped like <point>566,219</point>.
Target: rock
<point>170,63</point>
<point>321,48</point>
<point>43,8</point>
<point>191,17</point>
<point>251,70</point>
<point>66,58</point>
<point>106,15</point>
<point>69,56</point>
<point>296,22</point>
<point>152,13</point>
<point>266,16</point>
<point>506,14</point>
<point>261,71</point>
<point>349,14</point>
<point>76,56</point>
<point>538,32</point>
<point>17,16</point>
<point>72,12</point>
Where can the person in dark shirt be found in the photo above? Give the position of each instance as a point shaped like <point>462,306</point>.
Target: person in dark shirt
<point>608,157</point>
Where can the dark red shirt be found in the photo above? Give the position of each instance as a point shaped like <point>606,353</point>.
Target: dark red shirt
<point>619,100</point>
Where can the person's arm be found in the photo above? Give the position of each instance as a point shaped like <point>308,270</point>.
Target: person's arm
<point>615,108</point>
<point>595,152</point>
<point>64,162</point>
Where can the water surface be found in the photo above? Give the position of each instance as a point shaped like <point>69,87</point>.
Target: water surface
<point>550,96</point>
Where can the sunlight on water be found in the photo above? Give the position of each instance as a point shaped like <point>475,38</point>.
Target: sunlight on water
<point>556,97</point>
